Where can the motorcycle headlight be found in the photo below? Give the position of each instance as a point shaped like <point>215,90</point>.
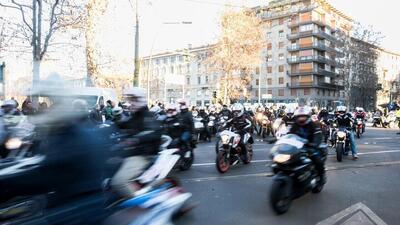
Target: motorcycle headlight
<point>225,139</point>
<point>334,125</point>
<point>359,122</point>
<point>341,134</point>
<point>13,143</point>
<point>281,158</point>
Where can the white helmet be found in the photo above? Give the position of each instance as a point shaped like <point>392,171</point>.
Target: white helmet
<point>341,109</point>
<point>135,96</point>
<point>302,115</point>
<point>11,103</point>
<point>237,109</point>
<point>183,104</point>
<point>289,110</point>
<point>155,109</point>
<point>117,110</point>
<point>171,110</point>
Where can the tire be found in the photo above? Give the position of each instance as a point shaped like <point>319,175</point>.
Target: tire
<point>187,162</point>
<point>263,133</point>
<point>222,162</point>
<point>318,188</point>
<point>217,145</point>
<point>280,196</point>
<point>358,133</point>
<point>339,152</point>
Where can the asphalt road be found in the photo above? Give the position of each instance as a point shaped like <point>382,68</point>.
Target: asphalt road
<point>365,191</point>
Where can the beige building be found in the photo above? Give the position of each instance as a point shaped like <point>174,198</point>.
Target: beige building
<point>388,69</point>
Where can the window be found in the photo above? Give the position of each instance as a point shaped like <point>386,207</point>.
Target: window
<point>206,79</point>
<point>158,61</point>
<point>269,46</point>
<point>198,65</point>
<point>281,44</point>
<point>163,71</point>
<point>306,67</point>
<point>171,69</point>
<point>281,68</point>
<point>307,91</point>
<point>307,54</point>
<point>180,58</point>
<point>281,34</point>
<point>187,68</point>
<point>281,92</point>
<point>293,92</point>
<point>180,69</point>
<point>257,82</point>
<point>281,21</point>
<point>269,58</point>
<point>257,70</point>
<point>165,60</point>
<point>198,80</point>
<point>304,17</point>
<point>269,81</point>
<point>269,92</point>
<point>306,27</point>
<point>187,80</point>
<point>172,59</point>
<point>280,80</point>
<point>281,56</point>
<point>269,35</point>
<point>269,69</point>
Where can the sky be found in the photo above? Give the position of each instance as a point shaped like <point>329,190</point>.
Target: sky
<point>204,14</point>
<point>160,29</point>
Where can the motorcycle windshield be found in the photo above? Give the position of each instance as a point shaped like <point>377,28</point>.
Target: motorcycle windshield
<point>293,140</point>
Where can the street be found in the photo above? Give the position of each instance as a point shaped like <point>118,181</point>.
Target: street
<point>366,189</point>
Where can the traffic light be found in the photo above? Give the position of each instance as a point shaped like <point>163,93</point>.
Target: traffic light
<point>379,87</point>
<point>214,94</point>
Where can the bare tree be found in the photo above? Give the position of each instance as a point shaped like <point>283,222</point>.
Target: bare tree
<point>359,56</point>
<point>237,52</point>
<point>40,20</point>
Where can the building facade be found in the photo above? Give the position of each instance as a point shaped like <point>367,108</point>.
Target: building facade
<point>388,70</point>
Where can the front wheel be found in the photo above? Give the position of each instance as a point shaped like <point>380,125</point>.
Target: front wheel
<point>358,133</point>
<point>187,160</point>
<point>339,151</point>
<point>281,196</point>
<point>222,162</point>
<point>249,157</point>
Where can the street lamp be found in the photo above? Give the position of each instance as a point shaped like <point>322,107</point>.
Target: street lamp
<point>151,56</point>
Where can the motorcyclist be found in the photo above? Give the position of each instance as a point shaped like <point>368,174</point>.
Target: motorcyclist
<point>360,114</point>
<point>323,115</point>
<point>306,129</point>
<point>205,119</point>
<point>172,123</point>
<point>144,139</point>
<point>225,112</point>
<point>289,117</point>
<point>345,119</point>
<point>269,114</point>
<point>187,120</point>
<point>9,108</point>
<point>242,125</point>
<point>158,113</point>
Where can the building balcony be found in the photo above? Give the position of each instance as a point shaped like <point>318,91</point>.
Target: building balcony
<point>316,71</point>
<point>318,46</point>
<point>315,58</point>
<point>317,33</point>
<point>297,23</point>
<point>314,84</point>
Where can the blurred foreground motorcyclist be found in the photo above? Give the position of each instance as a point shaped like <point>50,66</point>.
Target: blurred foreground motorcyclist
<point>242,125</point>
<point>345,119</point>
<point>205,120</point>
<point>308,130</point>
<point>144,139</point>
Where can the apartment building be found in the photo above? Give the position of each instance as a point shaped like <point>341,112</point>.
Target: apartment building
<point>179,74</point>
<point>303,56</point>
<point>388,70</point>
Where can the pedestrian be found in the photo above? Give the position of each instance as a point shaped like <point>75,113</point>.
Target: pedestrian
<point>27,107</point>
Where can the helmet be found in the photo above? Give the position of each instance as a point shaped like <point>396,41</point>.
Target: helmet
<point>155,109</point>
<point>289,112</point>
<point>117,110</point>
<point>341,109</point>
<point>202,109</point>
<point>237,109</point>
<point>10,103</point>
<point>302,116</point>
<point>212,109</point>
<point>360,110</point>
<point>183,104</point>
<point>282,112</point>
<point>171,110</point>
<point>135,96</point>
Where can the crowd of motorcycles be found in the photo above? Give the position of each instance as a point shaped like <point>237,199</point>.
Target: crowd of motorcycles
<point>160,197</point>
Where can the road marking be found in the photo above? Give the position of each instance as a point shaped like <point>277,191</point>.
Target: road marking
<point>264,174</point>
<point>330,155</point>
<point>355,214</point>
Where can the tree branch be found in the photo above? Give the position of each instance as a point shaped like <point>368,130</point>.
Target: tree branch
<point>53,21</point>
<point>20,8</point>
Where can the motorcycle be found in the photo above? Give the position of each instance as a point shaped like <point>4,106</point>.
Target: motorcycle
<point>211,125</point>
<point>186,157</point>
<point>295,173</point>
<point>377,120</point>
<point>159,199</point>
<point>198,128</point>
<point>230,151</point>
<point>279,128</point>
<point>359,127</point>
<point>342,143</point>
<point>390,120</point>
